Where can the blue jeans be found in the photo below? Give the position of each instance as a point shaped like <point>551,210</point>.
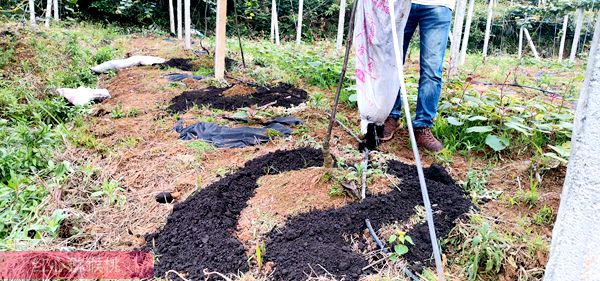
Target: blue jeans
<point>434,26</point>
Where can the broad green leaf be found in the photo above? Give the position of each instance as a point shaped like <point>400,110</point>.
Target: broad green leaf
<point>454,121</point>
<point>400,249</point>
<point>477,118</point>
<point>240,115</point>
<point>496,143</point>
<point>409,240</point>
<point>519,127</point>
<point>479,129</point>
<point>394,258</point>
<point>392,238</point>
<point>556,157</point>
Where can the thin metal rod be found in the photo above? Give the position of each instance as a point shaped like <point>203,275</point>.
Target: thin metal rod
<point>415,149</point>
<point>327,160</point>
<point>365,164</point>
<point>237,27</point>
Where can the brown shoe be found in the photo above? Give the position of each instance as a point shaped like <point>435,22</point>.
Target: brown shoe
<point>426,139</point>
<point>389,128</point>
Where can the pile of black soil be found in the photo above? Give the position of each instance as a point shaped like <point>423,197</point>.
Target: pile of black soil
<point>199,235</point>
<point>179,63</point>
<point>283,95</point>
<point>315,238</point>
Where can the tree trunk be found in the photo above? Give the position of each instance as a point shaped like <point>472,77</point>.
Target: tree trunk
<point>465,41</point>
<point>48,13</point>
<point>520,42</point>
<point>561,49</point>
<point>179,20</point>
<point>299,28</point>
<point>31,12</point>
<point>341,18</point>
<point>171,17</point>
<point>188,23</point>
<point>575,239</point>
<point>459,18</point>
<point>221,46</point>
<point>577,34</point>
<point>488,28</point>
<point>56,17</point>
<point>535,53</point>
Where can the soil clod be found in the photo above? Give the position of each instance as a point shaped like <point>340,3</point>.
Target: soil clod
<point>164,197</point>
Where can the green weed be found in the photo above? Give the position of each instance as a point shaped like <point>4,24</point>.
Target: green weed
<point>400,242</point>
<point>543,217</point>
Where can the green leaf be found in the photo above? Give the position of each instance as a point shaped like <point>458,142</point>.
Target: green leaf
<point>400,249</point>
<point>394,258</point>
<point>519,127</point>
<point>454,121</point>
<point>479,129</point>
<point>477,118</point>
<point>409,239</point>
<point>352,98</point>
<point>240,115</point>
<point>496,143</point>
<point>392,238</point>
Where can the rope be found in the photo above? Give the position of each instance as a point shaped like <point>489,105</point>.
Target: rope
<point>415,149</point>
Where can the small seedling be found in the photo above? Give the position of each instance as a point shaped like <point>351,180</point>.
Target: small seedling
<point>117,112</point>
<point>110,190</point>
<point>258,253</point>
<point>273,133</point>
<point>543,216</point>
<point>399,241</point>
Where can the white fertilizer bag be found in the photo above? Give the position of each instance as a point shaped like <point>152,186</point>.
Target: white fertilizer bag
<point>82,96</point>
<point>128,62</point>
<point>377,81</point>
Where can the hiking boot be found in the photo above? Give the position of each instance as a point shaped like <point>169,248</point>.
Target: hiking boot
<point>426,139</point>
<point>389,128</point>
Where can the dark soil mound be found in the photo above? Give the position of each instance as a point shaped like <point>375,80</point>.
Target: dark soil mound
<point>199,235</point>
<point>315,238</point>
<point>199,232</point>
<point>283,95</point>
<point>179,63</point>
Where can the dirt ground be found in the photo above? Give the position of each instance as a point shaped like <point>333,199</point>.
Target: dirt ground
<point>143,153</point>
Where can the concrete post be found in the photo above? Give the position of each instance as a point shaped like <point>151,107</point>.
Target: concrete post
<point>575,247</point>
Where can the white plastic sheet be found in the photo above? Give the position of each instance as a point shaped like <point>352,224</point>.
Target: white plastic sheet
<point>128,62</point>
<point>82,96</point>
<point>377,81</point>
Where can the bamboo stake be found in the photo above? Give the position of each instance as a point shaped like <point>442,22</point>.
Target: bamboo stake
<point>179,20</point>
<point>577,34</point>
<point>31,12</point>
<point>520,42</point>
<point>465,41</point>
<point>276,25</point>
<point>488,29</point>
<point>48,13</point>
<point>187,23</point>
<point>340,31</point>
<point>535,53</point>
<point>563,38</point>
<point>272,21</point>
<point>56,17</point>
<point>239,36</point>
<point>456,36</point>
<point>171,17</point>
<point>221,47</point>
<point>299,28</point>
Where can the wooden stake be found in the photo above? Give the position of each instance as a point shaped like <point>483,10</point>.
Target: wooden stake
<point>276,24</point>
<point>535,53</point>
<point>459,19</point>
<point>48,13</point>
<point>56,17</point>
<point>465,41</point>
<point>577,34</point>
<point>171,17</point>
<point>563,38</point>
<point>31,12</point>
<point>299,28</point>
<point>340,31</point>
<point>488,28</point>
<point>272,21</point>
<point>188,23</point>
<point>179,20</point>
<point>221,47</point>
<point>520,42</point>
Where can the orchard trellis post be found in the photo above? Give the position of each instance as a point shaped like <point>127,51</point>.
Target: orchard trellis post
<point>488,28</point>
<point>171,17</point>
<point>299,28</point>
<point>577,34</point>
<point>340,29</point>
<point>31,12</point>
<point>563,37</point>
<point>221,47</point>
<point>48,13</point>
<point>465,41</point>
<point>575,240</point>
<point>520,42</point>
<point>530,42</point>
<point>56,17</point>
<point>188,22</point>
<point>459,18</point>
<point>179,20</point>
<point>274,23</point>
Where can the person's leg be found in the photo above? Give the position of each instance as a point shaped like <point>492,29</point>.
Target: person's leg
<point>409,30</point>
<point>434,26</point>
